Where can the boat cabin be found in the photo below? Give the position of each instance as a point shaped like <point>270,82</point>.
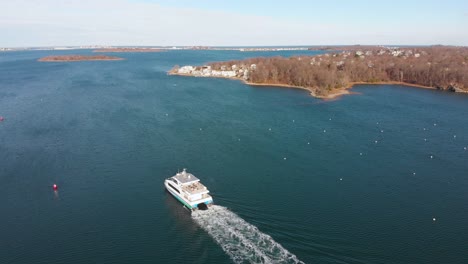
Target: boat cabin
<point>190,184</point>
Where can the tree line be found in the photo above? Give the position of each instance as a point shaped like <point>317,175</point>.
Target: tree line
<point>441,67</point>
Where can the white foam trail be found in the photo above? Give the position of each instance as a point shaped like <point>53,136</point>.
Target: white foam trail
<point>243,242</point>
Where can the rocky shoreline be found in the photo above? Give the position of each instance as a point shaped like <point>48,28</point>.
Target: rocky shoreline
<point>68,58</point>
<point>241,74</point>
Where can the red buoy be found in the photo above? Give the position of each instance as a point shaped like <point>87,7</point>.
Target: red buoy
<point>55,187</point>
<point>1,118</point>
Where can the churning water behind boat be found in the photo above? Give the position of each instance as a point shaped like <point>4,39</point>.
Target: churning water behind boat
<point>243,242</point>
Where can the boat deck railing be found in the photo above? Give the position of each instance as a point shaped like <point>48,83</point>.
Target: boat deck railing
<point>204,196</point>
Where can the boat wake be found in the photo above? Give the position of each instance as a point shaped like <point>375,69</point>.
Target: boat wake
<point>243,242</point>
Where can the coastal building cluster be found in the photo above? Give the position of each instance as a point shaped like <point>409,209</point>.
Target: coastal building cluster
<point>395,52</point>
<point>233,71</point>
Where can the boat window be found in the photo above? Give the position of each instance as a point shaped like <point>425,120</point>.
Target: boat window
<point>173,188</point>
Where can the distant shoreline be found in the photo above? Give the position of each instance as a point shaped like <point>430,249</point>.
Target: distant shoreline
<point>70,58</point>
<point>129,50</point>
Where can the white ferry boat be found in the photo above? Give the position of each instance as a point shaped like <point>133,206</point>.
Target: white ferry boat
<point>188,189</point>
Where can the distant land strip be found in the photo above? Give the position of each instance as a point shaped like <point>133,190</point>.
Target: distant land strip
<point>65,58</point>
<point>331,74</point>
<point>129,50</point>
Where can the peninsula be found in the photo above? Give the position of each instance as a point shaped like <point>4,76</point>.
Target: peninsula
<point>66,58</point>
<point>331,74</point>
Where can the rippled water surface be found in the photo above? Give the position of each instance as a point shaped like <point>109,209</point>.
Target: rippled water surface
<point>376,177</point>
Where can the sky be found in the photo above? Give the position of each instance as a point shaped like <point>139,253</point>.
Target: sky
<point>33,23</point>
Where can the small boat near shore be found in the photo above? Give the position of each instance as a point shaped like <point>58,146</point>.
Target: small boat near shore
<point>188,189</point>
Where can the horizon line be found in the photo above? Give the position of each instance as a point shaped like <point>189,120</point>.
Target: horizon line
<point>230,46</point>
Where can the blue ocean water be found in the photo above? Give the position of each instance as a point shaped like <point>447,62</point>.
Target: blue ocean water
<point>380,176</point>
